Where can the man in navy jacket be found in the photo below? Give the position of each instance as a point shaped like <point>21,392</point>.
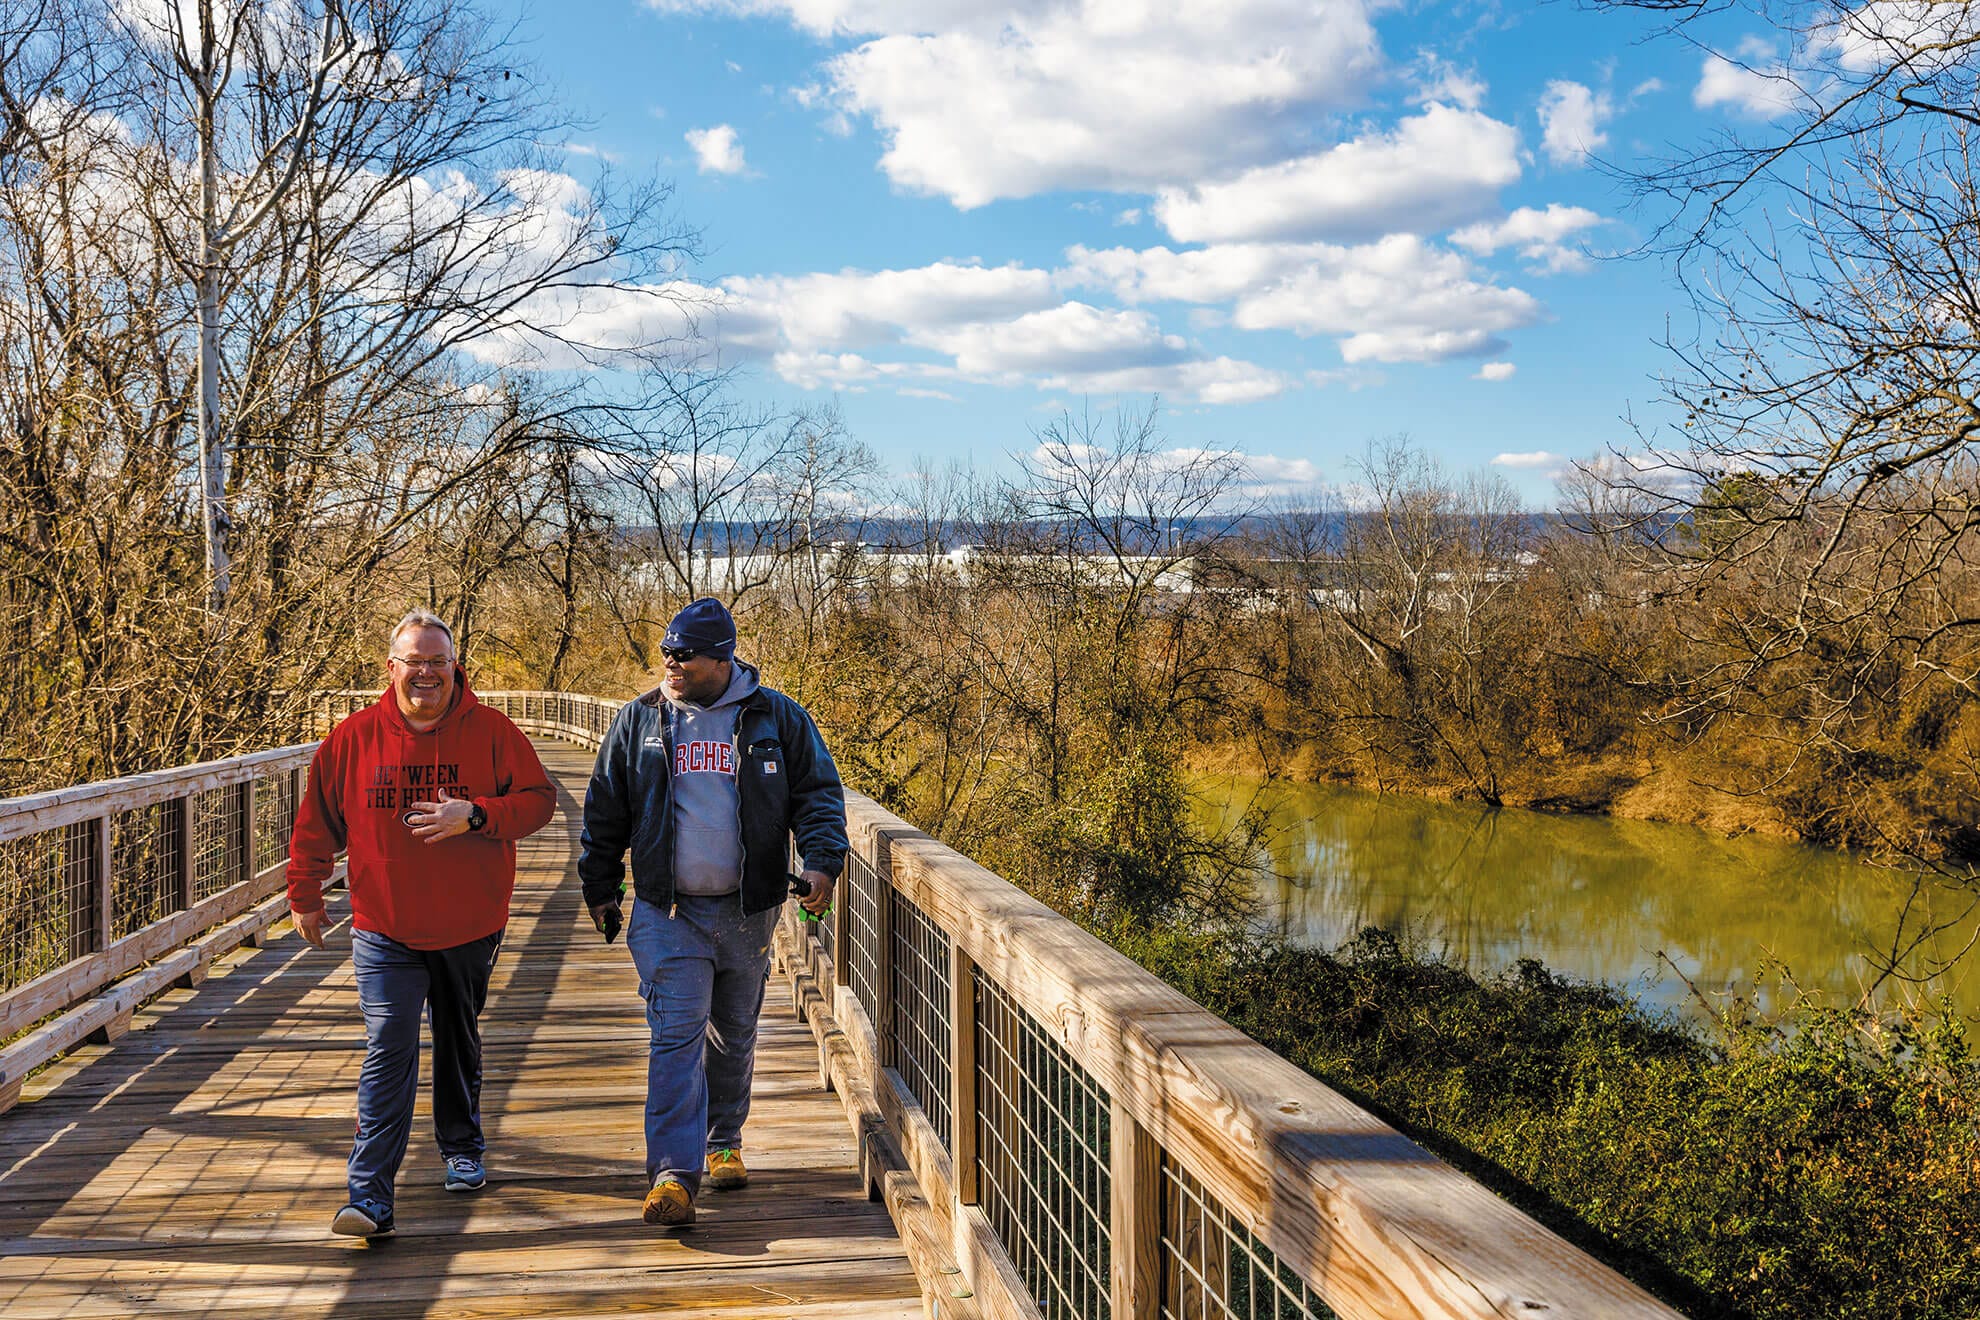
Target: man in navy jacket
<point>705,780</point>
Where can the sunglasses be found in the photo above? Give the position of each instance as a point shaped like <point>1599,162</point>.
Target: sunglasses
<point>679,654</point>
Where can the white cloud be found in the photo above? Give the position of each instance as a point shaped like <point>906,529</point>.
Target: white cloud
<point>1004,325</point>
<point>1272,470</point>
<point>1092,350</point>
<point>716,150</point>
<point>1432,170</point>
<point>1437,79</point>
<point>1073,338</point>
<point>1757,82</point>
<point>812,371</point>
<point>1929,35</point>
<point>859,309</point>
<point>1197,275</point>
<point>1538,236</point>
<point>1129,216</point>
<point>1571,119</point>
<point>1397,300</point>
<point>1495,371</point>
<point>1212,380</point>
<point>915,392</point>
<point>978,103</point>
<point>1539,458</point>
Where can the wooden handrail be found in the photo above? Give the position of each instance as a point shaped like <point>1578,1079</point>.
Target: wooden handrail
<point>39,812</point>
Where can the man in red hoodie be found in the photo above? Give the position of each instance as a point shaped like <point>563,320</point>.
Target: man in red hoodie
<point>428,790</point>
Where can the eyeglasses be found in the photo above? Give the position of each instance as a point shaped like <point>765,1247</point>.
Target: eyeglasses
<point>432,666</point>
<point>680,655</point>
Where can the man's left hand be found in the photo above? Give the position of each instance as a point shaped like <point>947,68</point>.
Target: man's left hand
<point>820,896</point>
<point>434,821</point>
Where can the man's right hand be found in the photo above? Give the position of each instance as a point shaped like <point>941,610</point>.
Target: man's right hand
<point>309,925</point>
<point>606,919</point>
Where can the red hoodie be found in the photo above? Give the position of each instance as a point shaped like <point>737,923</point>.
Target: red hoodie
<point>366,774</point>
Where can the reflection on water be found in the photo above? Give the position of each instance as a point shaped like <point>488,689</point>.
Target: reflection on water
<point>1592,897</point>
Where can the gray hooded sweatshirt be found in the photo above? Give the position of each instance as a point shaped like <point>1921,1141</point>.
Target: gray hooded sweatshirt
<point>708,855</point>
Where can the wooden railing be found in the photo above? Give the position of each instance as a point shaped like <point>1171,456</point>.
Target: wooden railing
<point>112,892</point>
<point>1059,1133</point>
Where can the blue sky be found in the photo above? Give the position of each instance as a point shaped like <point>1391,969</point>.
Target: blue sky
<point>1304,224</point>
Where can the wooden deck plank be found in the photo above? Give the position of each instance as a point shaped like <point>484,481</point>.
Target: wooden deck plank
<point>193,1167</point>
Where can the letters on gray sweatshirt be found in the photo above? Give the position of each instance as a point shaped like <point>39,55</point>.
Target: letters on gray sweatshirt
<point>707,812</point>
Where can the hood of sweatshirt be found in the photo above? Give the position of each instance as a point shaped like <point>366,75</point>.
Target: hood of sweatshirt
<point>743,680</point>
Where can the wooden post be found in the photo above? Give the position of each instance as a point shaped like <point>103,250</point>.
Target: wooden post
<point>244,837</point>
<point>182,861</point>
<point>883,953</point>
<point>1135,1214</point>
<point>102,862</point>
<point>247,834</point>
<point>842,932</point>
<point>962,1071</point>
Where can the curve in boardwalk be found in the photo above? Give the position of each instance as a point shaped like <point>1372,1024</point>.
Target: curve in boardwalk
<point>193,1167</point>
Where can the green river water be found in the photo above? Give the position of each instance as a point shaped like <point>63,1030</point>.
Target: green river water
<point>1596,898</point>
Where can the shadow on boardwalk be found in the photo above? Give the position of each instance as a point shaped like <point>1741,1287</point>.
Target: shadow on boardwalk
<point>193,1167</point>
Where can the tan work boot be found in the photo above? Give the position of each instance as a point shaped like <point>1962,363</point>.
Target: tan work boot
<point>725,1170</point>
<point>668,1203</point>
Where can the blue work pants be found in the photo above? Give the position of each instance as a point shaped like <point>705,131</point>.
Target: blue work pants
<point>395,985</point>
<point>702,969</point>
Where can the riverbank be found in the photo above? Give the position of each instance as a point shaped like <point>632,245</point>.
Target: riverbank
<point>1679,917</point>
<point>1635,786</point>
<point>1824,1167</point>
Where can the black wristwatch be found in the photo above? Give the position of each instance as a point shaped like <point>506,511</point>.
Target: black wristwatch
<point>477,817</point>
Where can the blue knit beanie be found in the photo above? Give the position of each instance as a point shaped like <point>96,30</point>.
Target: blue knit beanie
<point>703,627</point>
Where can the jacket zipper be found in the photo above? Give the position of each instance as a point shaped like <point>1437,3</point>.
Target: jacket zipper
<point>667,730</point>
<point>742,840</point>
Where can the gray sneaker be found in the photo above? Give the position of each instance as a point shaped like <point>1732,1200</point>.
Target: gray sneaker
<point>465,1174</point>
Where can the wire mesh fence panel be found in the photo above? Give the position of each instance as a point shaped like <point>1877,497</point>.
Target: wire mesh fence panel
<point>216,839</point>
<point>144,866</point>
<point>861,898</point>
<point>1213,1268</point>
<point>1043,1149</point>
<point>924,1038</point>
<point>44,901</point>
<point>274,818</point>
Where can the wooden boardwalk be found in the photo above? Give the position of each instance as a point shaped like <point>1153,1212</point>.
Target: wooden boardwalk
<point>193,1167</point>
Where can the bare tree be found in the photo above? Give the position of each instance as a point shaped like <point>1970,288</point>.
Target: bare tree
<point>1424,585</point>
<point>209,48</point>
<point>1812,498</point>
<point>395,234</point>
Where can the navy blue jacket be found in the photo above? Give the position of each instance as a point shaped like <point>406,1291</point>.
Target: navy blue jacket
<point>785,782</point>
